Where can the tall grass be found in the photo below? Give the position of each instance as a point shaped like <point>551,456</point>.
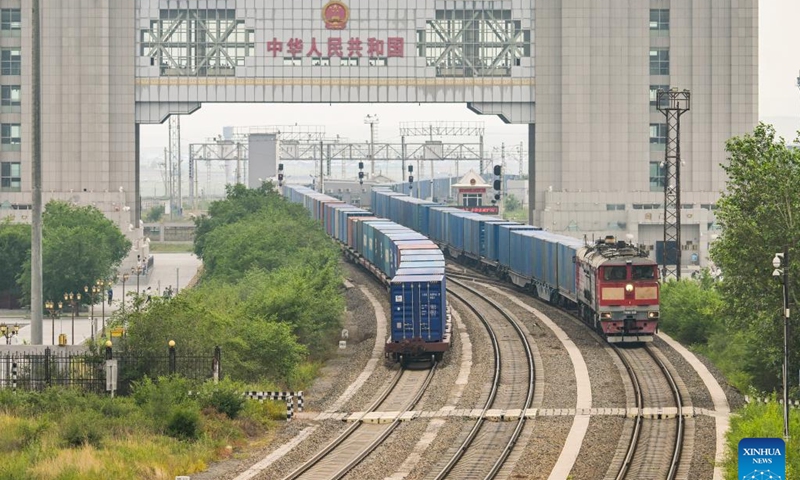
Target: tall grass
<point>67,434</point>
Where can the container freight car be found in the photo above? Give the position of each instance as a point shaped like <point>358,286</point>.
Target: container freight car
<point>612,285</point>
<point>407,262</point>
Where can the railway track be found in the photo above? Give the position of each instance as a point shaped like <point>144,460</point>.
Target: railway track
<point>353,445</point>
<point>487,445</point>
<point>656,444</point>
<point>655,448</point>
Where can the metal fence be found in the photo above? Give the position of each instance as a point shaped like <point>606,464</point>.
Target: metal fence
<point>37,370</point>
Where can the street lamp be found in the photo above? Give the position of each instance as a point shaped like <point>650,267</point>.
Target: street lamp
<point>125,277</point>
<point>73,299</point>
<point>101,288</point>
<point>54,313</point>
<point>781,264</point>
<point>92,299</point>
<point>9,331</point>
<point>137,270</point>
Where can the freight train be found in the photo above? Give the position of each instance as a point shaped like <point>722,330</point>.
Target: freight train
<point>611,285</point>
<point>408,263</point>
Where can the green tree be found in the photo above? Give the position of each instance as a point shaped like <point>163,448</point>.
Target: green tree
<point>79,245</point>
<point>154,214</point>
<point>15,249</point>
<point>267,240</point>
<point>240,202</point>
<point>255,347</point>
<point>512,202</point>
<point>690,309</point>
<point>759,214</point>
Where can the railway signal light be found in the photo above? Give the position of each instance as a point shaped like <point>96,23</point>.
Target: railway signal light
<point>280,174</point>
<point>411,169</point>
<point>497,185</point>
<point>497,170</point>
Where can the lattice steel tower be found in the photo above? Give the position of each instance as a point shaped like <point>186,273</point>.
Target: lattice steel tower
<point>672,104</point>
<point>174,167</point>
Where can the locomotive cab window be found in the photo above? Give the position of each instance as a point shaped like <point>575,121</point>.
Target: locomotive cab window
<point>615,273</point>
<point>643,272</point>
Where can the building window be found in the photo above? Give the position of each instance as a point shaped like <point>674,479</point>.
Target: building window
<point>320,61</point>
<point>656,177</point>
<point>377,62</point>
<point>202,42</point>
<point>659,20</point>
<point>658,133</point>
<point>472,200</point>
<point>350,62</point>
<point>659,61</point>
<point>654,93</point>
<point>10,61</point>
<point>289,61</point>
<point>10,95</point>
<point>10,177</point>
<point>615,206</point>
<point>474,43</point>
<point>10,20</point>
<point>10,135</point>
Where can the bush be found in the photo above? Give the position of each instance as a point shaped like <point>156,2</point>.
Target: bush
<point>228,402</point>
<point>690,310</point>
<point>81,429</point>
<point>19,433</point>
<point>159,398</point>
<point>183,423</point>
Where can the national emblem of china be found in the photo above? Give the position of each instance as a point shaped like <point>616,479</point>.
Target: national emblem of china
<point>335,14</point>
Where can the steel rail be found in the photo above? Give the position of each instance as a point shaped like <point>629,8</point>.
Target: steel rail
<point>353,427</point>
<point>528,398</point>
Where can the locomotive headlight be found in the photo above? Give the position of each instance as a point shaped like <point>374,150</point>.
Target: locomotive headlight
<point>629,287</point>
<point>652,314</point>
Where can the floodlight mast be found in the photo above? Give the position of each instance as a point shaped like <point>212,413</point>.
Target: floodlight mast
<point>672,104</point>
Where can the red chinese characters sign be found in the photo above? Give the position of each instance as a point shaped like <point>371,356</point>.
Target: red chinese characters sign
<point>354,47</point>
<point>492,210</point>
<point>472,190</point>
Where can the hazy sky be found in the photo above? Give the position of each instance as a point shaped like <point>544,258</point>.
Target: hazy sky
<point>779,100</point>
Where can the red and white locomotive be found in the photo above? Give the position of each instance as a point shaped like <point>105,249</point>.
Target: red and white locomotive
<point>618,291</point>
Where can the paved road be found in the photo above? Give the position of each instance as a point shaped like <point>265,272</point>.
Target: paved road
<point>169,270</point>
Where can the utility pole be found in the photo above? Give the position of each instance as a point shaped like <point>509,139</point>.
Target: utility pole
<point>175,165</point>
<point>502,203</point>
<point>238,163</point>
<point>168,181</point>
<point>672,104</point>
<point>481,164</point>
<point>36,172</point>
<point>191,177</point>
<point>322,167</point>
<point>402,156</point>
<point>372,120</point>
<point>781,264</point>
